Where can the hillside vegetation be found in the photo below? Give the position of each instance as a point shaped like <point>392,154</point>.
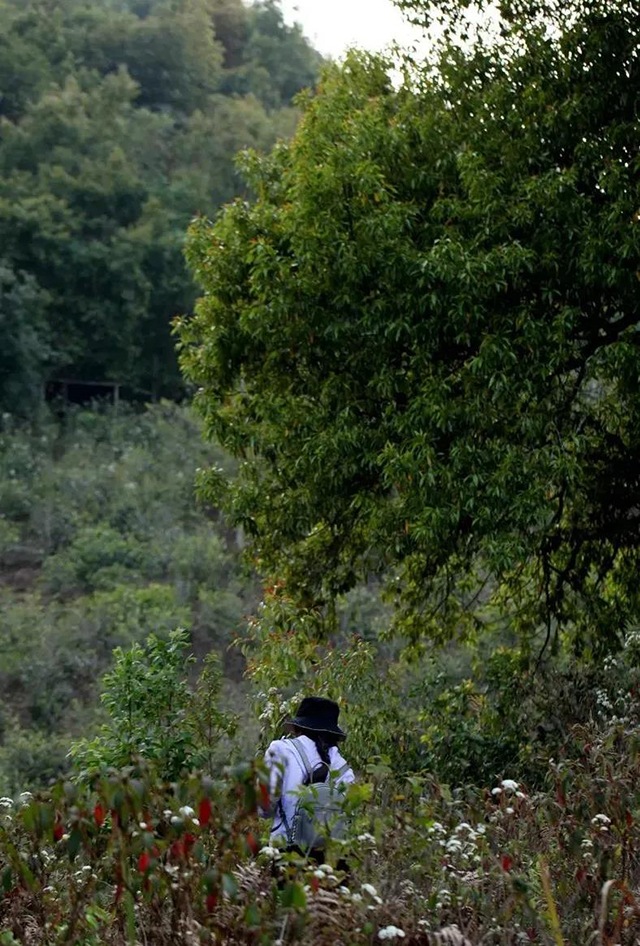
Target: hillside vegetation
<point>102,543</point>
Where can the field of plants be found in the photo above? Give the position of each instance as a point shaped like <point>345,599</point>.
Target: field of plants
<point>403,475</point>
<point>490,802</point>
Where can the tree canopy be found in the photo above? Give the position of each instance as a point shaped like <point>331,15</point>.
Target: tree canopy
<point>421,338</point>
<point>119,121</point>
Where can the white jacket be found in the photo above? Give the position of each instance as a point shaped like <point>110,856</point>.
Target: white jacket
<point>287,774</point>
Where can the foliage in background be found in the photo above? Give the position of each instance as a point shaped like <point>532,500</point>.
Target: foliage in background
<point>421,337</point>
<point>119,122</point>
<point>461,716</point>
<point>101,545</point>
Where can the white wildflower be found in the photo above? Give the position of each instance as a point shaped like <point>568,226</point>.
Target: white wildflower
<point>6,802</point>
<point>269,851</point>
<point>496,791</point>
<point>187,812</point>
<point>601,819</point>
<point>367,838</point>
<point>371,890</point>
<point>509,785</point>
<point>391,932</point>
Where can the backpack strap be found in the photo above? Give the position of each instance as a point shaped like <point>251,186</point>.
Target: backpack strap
<point>284,820</point>
<point>303,757</point>
<point>341,771</point>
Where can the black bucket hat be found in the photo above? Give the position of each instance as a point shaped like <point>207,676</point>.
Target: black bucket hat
<point>317,714</point>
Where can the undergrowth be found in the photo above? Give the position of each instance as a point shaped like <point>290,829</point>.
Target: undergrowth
<point>134,859</point>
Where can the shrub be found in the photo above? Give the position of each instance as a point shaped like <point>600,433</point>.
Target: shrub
<point>99,557</point>
<point>153,714</point>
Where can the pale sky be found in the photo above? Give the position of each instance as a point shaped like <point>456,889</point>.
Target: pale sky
<point>333,25</point>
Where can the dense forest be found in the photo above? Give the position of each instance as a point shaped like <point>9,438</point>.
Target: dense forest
<point>408,325</point>
<point>120,122</point>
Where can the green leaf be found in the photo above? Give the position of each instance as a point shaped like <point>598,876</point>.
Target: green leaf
<point>230,886</point>
<point>294,897</point>
<point>74,842</point>
<point>252,915</point>
<point>130,917</point>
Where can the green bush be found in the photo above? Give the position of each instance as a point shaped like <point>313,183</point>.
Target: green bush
<point>30,758</point>
<point>152,712</point>
<point>199,558</point>
<point>98,557</point>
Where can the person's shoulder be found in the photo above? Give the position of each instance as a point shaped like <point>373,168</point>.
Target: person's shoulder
<point>278,748</point>
<point>337,759</point>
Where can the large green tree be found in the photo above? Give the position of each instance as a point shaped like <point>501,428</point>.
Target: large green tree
<point>422,337</point>
<point>119,121</point>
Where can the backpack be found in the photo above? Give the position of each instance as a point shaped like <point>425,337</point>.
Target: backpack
<point>318,813</point>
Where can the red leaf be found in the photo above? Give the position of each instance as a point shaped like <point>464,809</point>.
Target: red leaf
<point>177,850</point>
<point>252,842</point>
<point>561,799</point>
<point>315,884</point>
<point>143,862</point>
<point>58,831</point>
<point>212,900</point>
<point>580,875</point>
<point>265,798</point>
<point>629,819</point>
<point>506,861</point>
<point>204,812</point>
<point>189,841</point>
<point>98,814</point>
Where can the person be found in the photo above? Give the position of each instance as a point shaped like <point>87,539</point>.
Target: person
<point>316,731</point>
